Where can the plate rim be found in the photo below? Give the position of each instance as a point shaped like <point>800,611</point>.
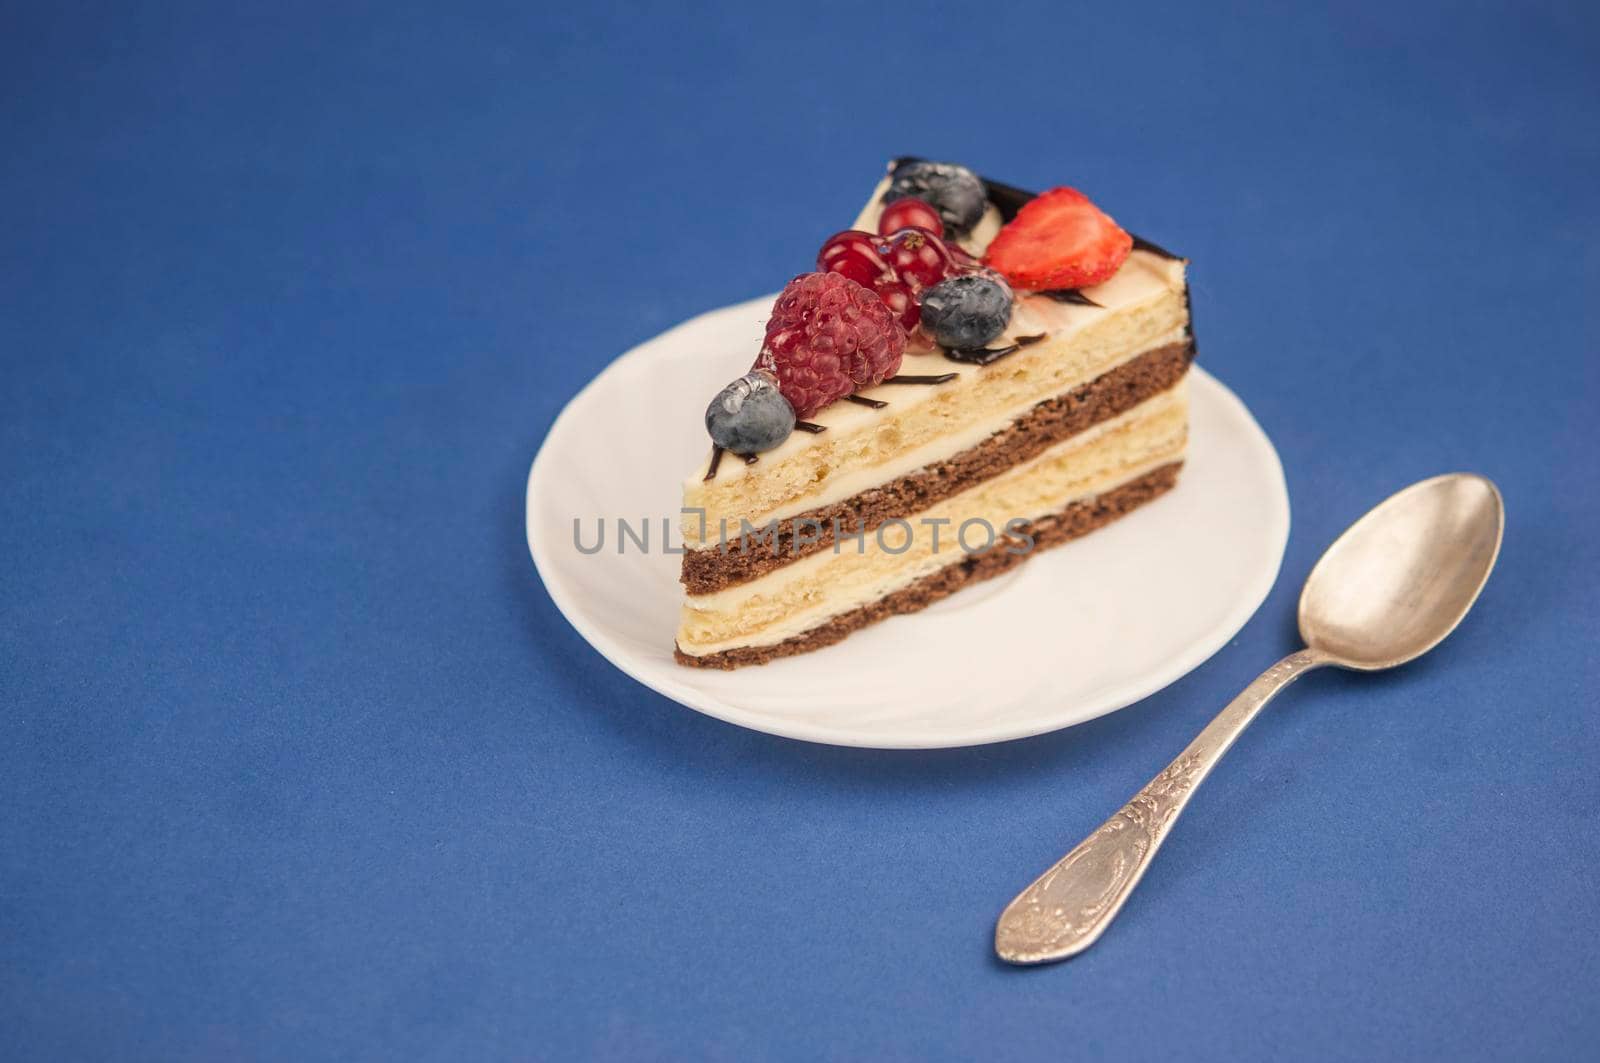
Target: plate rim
<point>693,698</point>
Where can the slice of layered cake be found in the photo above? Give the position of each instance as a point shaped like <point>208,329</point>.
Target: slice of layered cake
<point>973,374</point>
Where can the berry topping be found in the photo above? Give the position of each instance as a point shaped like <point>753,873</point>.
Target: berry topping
<point>900,301</point>
<point>854,254</point>
<point>966,311</point>
<point>954,191</point>
<point>750,415</point>
<point>919,259</point>
<point>827,337</point>
<point>1059,240</point>
<point>909,213</point>
<point>963,261</point>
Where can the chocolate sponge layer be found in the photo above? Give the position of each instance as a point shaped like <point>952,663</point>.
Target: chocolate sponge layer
<point>1079,518</point>
<point>1112,393</point>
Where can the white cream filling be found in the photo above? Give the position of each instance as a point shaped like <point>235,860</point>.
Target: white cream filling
<point>807,593</point>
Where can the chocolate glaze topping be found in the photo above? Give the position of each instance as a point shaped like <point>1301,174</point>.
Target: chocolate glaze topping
<point>989,355</point>
<point>809,426</point>
<point>1141,244</point>
<point>914,378</point>
<point>1188,314</point>
<point>862,400</point>
<point>1068,295</point>
<point>1008,199</point>
<point>716,459</point>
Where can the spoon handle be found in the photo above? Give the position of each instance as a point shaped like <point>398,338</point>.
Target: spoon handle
<point>1069,907</point>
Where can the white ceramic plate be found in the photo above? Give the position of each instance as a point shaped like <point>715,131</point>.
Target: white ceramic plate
<point>1078,631</point>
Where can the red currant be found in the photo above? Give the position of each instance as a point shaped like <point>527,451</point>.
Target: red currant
<point>909,213</point>
<point>901,303</point>
<point>853,254</point>
<point>919,259</point>
<point>919,342</point>
<point>963,261</point>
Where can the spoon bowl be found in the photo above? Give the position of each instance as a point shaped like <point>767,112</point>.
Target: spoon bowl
<point>1402,577</point>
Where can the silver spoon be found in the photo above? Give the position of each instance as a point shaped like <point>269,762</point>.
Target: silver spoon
<point>1388,591</point>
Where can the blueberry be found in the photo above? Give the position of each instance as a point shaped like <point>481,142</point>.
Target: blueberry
<point>954,191</point>
<point>966,311</point>
<point>750,415</point>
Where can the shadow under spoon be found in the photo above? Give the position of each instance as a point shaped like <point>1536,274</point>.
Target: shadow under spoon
<point>1387,591</point>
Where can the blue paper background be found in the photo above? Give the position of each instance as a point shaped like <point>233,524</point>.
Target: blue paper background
<point>300,762</point>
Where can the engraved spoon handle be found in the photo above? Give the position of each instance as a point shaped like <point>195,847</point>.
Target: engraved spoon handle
<point>1069,907</point>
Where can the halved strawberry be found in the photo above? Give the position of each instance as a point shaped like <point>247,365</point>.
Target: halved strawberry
<point>1059,240</point>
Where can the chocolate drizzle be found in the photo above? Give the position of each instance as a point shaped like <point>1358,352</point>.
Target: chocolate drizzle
<point>1141,244</point>
<point>1069,295</point>
<point>751,459</point>
<point>1008,199</point>
<point>989,355</point>
<point>862,400</point>
<point>1188,318</point>
<point>915,378</point>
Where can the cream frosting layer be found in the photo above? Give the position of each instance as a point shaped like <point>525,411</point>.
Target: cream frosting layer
<point>808,592</point>
<point>1142,308</point>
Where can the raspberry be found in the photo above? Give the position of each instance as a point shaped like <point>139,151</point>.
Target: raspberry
<point>827,337</point>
